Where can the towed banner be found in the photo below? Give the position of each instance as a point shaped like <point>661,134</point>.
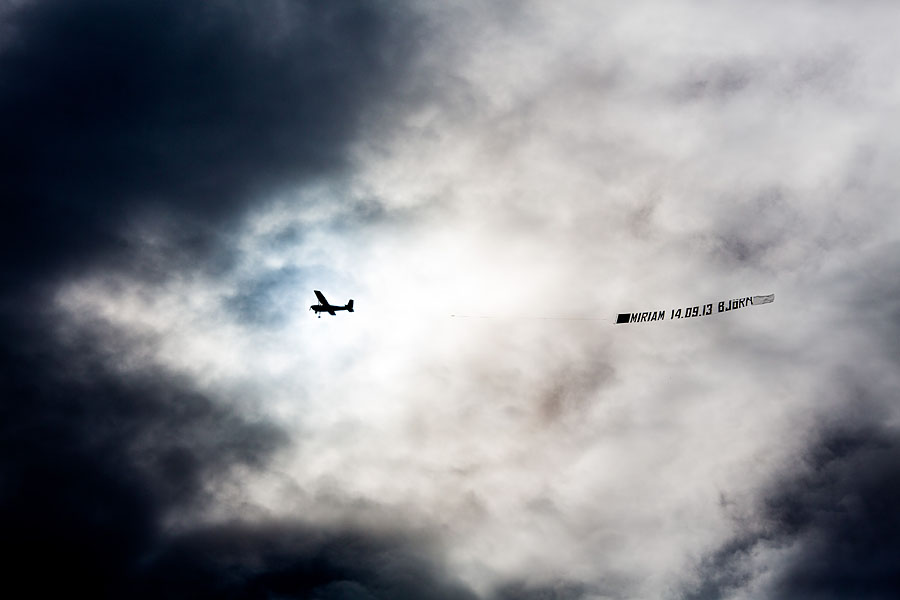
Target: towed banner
<point>701,310</point>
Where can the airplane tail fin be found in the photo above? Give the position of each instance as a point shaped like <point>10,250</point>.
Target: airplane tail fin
<point>350,305</point>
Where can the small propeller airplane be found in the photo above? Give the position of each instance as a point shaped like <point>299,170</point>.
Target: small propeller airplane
<point>329,308</point>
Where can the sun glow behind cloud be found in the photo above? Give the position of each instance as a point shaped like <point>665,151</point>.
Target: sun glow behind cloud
<point>540,172</point>
<point>508,431</point>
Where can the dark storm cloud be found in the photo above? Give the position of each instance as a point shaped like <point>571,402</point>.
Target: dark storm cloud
<point>289,560</point>
<point>560,590</point>
<point>845,511</point>
<point>92,464</point>
<point>836,518</point>
<point>185,113</point>
<point>91,461</point>
<point>827,525</point>
<point>190,109</point>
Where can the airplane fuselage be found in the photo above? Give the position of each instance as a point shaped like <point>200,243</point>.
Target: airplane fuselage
<point>325,306</point>
<point>328,308</point>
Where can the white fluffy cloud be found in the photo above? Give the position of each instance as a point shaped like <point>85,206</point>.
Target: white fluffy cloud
<point>554,165</point>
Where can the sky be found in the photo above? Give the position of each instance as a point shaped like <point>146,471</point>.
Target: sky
<point>492,183</point>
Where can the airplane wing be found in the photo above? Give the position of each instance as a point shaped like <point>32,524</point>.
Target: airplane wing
<point>321,297</point>
<point>332,313</point>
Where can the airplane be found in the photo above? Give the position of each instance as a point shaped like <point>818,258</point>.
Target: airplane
<point>329,308</point>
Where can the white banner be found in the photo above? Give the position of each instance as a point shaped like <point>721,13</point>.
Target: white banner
<point>700,310</point>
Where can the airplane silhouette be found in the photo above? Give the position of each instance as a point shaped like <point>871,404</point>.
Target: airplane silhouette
<point>329,308</point>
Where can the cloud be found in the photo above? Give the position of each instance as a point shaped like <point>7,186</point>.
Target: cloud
<point>849,535</point>
<point>560,590</point>
<point>823,526</point>
<point>187,111</point>
<point>826,529</point>
<point>544,167</point>
<point>93,464</point>
<point>134,137</point>
<point>290,560</point>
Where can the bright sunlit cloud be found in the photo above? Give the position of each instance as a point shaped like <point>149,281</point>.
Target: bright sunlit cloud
<point>533,171</point>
